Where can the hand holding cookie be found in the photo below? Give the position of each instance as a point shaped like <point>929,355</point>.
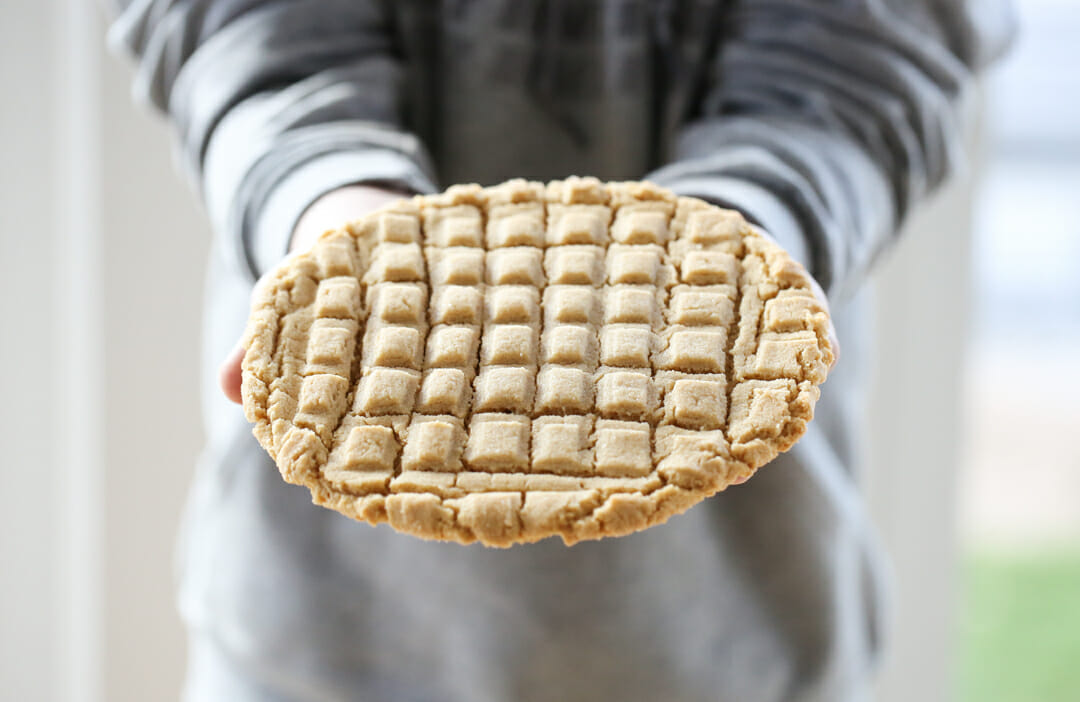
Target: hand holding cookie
<point>328,212</point>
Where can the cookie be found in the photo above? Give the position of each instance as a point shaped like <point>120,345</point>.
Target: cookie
<point>509,363</point>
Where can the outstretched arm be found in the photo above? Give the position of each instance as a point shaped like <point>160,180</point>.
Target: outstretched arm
<point>275,104</point>
<point>826,121</point>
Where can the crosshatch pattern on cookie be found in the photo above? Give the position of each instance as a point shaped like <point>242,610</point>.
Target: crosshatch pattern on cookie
<point>605,354</point>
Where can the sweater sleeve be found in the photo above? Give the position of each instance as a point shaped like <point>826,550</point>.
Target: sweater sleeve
<point>826,122</point>
<point>275,102</point>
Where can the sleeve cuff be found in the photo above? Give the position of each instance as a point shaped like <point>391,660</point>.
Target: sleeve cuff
<point>265,239</point>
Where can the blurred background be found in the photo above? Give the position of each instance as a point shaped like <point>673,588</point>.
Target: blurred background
<point>975,479</point>
<point>1019,508</point>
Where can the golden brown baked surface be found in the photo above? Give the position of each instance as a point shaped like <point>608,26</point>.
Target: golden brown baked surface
<point>510,363</point>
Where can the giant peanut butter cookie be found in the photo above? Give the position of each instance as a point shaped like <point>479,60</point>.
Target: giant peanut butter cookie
<point>509,363</point>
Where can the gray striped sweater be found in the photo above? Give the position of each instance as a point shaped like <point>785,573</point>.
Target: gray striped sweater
<point>824,121</point>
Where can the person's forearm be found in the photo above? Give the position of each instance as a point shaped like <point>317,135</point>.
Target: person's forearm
<point>826,122</point>
<point>275,104</point>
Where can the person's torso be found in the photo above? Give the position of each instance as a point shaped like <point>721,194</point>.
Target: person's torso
<point>763,593</point>
<point>500,89</point>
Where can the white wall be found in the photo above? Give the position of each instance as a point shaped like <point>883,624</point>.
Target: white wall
<point>922,305</point>
<point>99,441</point>
<point>101,257</point>
<point>155,242</point>
<point>28,537</point>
